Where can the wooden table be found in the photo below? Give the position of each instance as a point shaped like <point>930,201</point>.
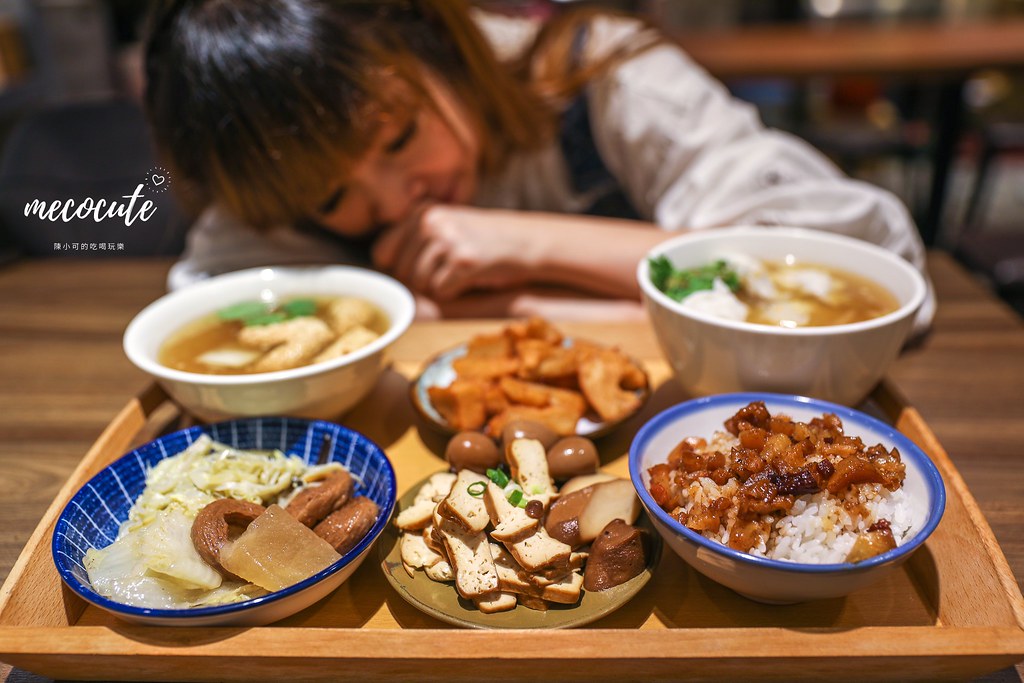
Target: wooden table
<point>942,52</point>
<point>64,377</point>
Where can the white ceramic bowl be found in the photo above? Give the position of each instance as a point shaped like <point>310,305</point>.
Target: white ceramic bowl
<point>840,363</point>
<point>759,578</point>
<point>320,391</point>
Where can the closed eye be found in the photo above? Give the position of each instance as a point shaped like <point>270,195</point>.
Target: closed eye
<point>332,202</point>
<point>403,138</point>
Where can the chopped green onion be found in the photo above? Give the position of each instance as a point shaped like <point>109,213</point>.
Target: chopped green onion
<point>476,489</point>
<point>299,307</point>
<point>516,497</point>
<point>498,477</point>
<point>243,310</point>
<point>536,490</point>
<point>265,319</point>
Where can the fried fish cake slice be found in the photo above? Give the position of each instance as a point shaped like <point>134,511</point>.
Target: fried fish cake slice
<point>541,395</point>
<point>601,377</point>
<point>496,345</point>
<point>542,360</point>
<point>534,328</point>
<point>461,404</point>
<point>484,367</point>
<point>560,419</point>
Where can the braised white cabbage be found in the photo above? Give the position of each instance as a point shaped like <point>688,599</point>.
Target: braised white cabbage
<point>153,562</point>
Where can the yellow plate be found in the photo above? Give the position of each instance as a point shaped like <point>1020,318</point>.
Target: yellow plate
<point>442,601</point>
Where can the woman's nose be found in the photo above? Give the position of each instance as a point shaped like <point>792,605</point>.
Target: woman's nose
<point>398,197</point>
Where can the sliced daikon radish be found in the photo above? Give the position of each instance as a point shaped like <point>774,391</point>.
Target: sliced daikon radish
<point>277,551</point>
<point>229,357</point>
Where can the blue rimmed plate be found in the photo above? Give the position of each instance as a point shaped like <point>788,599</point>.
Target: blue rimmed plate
<point>92,517</point>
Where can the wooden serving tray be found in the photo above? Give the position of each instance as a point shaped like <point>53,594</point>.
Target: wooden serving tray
<point>952,612</point>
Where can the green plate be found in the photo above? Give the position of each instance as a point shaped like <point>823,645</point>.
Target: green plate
<point>442,601</point>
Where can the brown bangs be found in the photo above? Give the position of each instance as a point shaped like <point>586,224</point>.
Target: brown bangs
<point>273,173</point>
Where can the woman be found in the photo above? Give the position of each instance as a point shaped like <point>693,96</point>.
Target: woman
<point>471,156</point>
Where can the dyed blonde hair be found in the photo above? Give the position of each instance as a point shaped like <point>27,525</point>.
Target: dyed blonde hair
<point>257,105</point>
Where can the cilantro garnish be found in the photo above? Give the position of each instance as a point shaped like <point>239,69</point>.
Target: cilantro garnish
<point>679,284</point>
<point>251,313</point>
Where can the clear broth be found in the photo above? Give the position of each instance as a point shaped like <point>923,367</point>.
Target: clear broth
<point>851,299</point>
<point>182,349</point>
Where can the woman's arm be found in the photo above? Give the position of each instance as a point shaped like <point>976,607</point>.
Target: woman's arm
<point>552,303</point>
<point>446,251</point>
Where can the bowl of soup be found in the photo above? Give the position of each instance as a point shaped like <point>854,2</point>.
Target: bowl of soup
<point>300,341</point>
<point>784,310</point>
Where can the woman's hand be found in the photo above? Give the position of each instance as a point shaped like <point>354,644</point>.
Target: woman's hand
<point>444,251</point>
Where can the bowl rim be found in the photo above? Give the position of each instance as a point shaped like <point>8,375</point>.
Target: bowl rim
<point>907,310</point>
<point>131,338</point>
<point>89,595</point>
<point>907,448</point>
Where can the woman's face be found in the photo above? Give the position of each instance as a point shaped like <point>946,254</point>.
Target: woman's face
<point>430,157</point>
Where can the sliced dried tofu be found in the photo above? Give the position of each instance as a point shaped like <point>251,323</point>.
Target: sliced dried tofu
<point>544,577</point>
<point>511,523</point>
<point>436,488</point>
<point>431,539</point>
<point>470,556</point>
<point>539,550</point>
<point>462,506</point>
<point>495,602</point>
<point>416,553</point>
<point>416,516</point>
<point>440,571</point>
<point>528,462</point>
<point>419,514</point>
<point>513,579</point>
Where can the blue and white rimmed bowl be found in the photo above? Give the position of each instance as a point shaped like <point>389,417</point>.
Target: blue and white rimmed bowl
<point>759,578</point>
<point>92,517</point>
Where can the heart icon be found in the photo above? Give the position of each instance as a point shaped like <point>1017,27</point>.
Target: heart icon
<point>158,180</point>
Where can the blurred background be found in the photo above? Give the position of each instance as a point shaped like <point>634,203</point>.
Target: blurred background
<point>922,97</point>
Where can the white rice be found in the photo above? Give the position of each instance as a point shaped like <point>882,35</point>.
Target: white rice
<point>820,528</point>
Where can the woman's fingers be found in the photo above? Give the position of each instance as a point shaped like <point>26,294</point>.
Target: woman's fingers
<point>450,279</point>
<point>385,248</point>
<point>395,239</point>
<point>423,266</point>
